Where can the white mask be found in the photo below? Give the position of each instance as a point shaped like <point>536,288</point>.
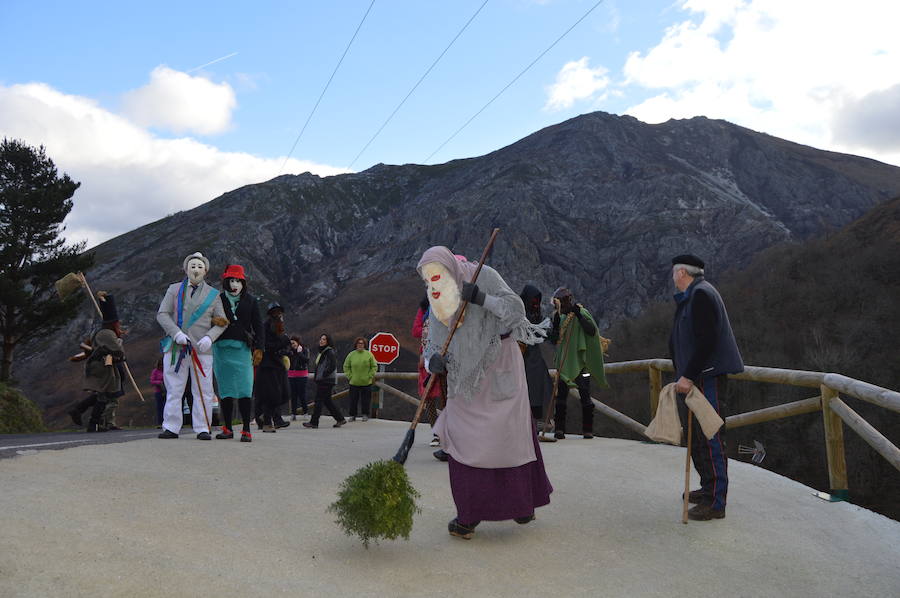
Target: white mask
<point>196,271</point>
<point>443,292</point>
<point>235,286</point>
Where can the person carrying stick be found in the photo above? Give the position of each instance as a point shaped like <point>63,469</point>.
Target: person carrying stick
<point>704,352</point>
<point>495,465</point>
<point>579,357</point>
<point>192,319</point>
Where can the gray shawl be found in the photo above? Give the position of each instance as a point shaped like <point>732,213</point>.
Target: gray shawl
<point>476,344</point>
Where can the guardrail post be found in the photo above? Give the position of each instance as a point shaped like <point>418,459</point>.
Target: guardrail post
<point>834,446</point>
<point>655,388</point>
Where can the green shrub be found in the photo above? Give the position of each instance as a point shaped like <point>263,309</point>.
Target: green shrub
<point>376,502</point>
<point>18,415</point>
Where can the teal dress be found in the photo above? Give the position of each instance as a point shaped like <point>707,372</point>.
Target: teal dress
<point>233,363</point>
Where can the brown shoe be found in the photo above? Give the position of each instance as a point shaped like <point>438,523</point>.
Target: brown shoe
<point>705,513</point>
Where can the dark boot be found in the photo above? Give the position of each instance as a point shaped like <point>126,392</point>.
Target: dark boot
<point>80,407</point>
<point>96,414</point>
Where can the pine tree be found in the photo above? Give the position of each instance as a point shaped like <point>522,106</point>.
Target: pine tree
<point>34,201</point>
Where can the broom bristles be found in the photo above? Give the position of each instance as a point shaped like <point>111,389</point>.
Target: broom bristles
<point>67,285</point>
<point>377,502</point>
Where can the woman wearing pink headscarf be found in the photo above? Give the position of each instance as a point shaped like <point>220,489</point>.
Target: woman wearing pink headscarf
<point>495,464</point>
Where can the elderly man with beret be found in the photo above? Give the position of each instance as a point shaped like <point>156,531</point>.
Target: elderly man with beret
<point>704,352</point>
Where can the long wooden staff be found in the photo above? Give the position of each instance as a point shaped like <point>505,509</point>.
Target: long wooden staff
<point>199,388</point>
<point>565,354</point>
<point>403,451</point>
<point>687,471</point>
<point>99,311</point>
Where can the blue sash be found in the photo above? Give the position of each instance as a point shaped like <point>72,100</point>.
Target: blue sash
<point>166,343</point>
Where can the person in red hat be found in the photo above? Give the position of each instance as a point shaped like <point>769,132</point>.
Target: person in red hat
<point>237,350</point>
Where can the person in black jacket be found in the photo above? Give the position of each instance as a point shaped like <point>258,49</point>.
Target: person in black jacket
<point>297,376</point>
<point>271,375</point>
<point>237,350</point>
<point>704,352</point>
<point>325,376</point>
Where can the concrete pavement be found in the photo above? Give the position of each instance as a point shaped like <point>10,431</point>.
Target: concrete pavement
<point>185,518</point>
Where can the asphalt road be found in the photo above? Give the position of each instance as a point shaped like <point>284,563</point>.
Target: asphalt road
<point>12,445</point>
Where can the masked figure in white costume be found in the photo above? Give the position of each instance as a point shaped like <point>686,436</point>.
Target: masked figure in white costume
<point>496,469</point>
<point>192,319</point>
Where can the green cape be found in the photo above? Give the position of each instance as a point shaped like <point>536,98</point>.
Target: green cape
<point>580,350</point>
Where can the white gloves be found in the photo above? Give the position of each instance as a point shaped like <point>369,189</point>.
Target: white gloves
<point>181,338</point>
<point>204,344</point>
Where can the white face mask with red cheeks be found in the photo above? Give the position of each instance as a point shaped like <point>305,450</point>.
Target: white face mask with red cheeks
<point>443,292</point>
<point>235,286</point>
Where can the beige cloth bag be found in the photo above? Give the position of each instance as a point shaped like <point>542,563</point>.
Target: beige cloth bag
<point>710,422</point>
<point>666,425</point>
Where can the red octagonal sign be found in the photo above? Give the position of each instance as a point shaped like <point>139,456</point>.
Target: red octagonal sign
<point>385,347</point>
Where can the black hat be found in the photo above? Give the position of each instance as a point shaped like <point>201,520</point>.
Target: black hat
<point>108,309</point>
<point>688,260</point>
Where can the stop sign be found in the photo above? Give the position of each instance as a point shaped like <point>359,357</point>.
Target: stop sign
<point>385,347</point>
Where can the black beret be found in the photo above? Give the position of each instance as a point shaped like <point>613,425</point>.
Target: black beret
<point>688,260</point>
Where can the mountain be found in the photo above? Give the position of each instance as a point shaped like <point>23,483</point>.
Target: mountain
<point>598,203</point>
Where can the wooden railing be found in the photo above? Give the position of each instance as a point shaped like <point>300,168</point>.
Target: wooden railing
<point>835,412</point>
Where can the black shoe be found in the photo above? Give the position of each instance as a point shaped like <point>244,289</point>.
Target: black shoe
<point>76,417</point>
<point>246,436</point>
<point>705,513</point>
<point>524,520</point>
<point>204,436</point>
<point>168,434</point>
<point>440,455</point>
<point>225,434</point>
<point>282,424</point>
<point>588,435</point>
<point>461,531</point>
<point>698,497</point>
<point>112,428</point>
<point>92,428</point>
<point>339,423</point>
<point>559,435</point>
<point>310,425</point>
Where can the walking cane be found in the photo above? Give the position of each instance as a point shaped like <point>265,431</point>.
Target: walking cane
<point>403,451</point>
<point>97,305</point>
<point>687,471</point>
<point>200,390</point>
<point>543,437</point>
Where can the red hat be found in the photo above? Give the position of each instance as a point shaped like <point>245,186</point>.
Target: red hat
<point>234,271</point>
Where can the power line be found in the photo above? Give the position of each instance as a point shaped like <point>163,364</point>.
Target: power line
<point>321,95</point>
<point>422,78</point>
<point>516,78</point>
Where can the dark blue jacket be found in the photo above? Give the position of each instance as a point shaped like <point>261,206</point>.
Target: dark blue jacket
<point>702,343</point>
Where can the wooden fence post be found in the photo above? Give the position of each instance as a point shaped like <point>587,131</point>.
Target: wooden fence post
<point>834,446</point>
<point>655,388</point>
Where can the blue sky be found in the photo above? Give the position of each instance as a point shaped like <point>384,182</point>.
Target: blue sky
<point>114,93</point>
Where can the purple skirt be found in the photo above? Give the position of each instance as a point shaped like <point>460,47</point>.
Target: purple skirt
<point>499,494</point>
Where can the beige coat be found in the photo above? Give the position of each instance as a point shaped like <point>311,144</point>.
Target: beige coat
<point>168,318</point>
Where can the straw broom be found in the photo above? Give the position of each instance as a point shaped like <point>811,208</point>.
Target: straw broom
<point>378,500</point>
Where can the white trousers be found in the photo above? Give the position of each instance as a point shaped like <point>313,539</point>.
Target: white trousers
<point>175,383</point>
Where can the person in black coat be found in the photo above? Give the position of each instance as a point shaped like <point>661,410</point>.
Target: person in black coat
<point>704,352</point>
<point>271,374</point>
<point>298,374</point>
<point>325,376</point>
<point>540,384</point>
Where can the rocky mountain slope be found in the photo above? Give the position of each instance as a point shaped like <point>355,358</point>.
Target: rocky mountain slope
<point>598,203</point>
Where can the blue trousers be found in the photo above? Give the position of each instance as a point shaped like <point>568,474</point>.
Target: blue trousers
<point>709,456</point>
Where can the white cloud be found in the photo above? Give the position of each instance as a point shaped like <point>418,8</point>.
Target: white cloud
<point>181,103</point>
<point>575,81</point>
<point>791,69</point>
<point>128,176</point>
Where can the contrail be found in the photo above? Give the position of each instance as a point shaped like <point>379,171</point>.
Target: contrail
<point>213,62</point>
